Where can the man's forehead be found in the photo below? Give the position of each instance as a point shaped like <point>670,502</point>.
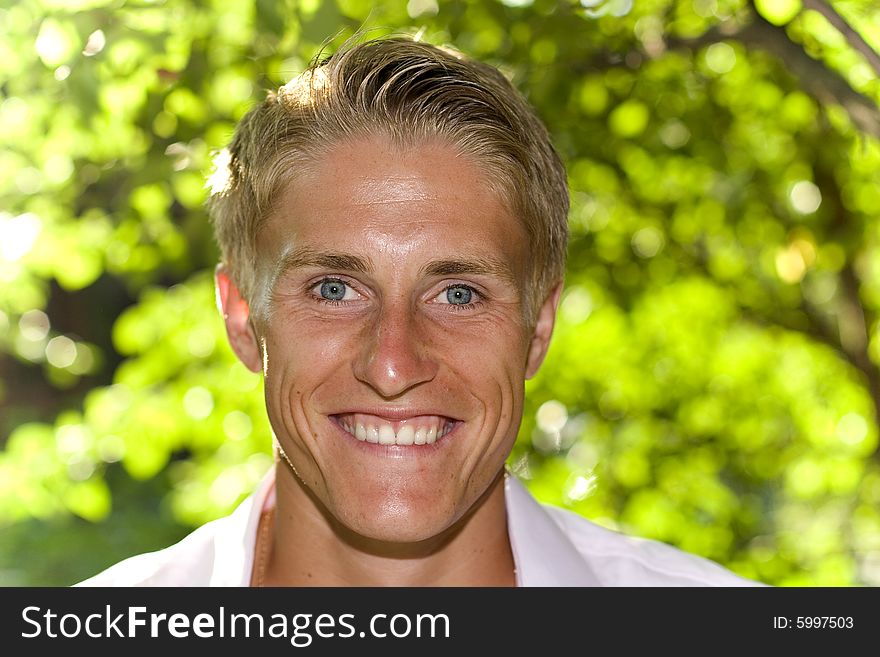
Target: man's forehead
<point>365,203</point>
<point>376,169</point>
<point>400,188</point>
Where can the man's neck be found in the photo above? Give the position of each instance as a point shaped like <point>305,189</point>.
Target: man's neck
<point>306,547</point>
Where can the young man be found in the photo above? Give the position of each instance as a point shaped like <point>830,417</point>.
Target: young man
<point>393,231</point>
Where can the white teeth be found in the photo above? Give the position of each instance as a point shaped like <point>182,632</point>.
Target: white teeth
<point>386,434</point>
<point>382,433</point>
<point>405,435</point>
<point>372,434</point>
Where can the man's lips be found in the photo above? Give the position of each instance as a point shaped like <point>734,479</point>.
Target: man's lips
<point>398,429</point>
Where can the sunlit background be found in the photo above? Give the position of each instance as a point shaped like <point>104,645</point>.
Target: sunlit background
<point>714,380</point>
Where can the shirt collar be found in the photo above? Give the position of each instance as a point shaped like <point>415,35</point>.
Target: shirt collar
<point>542,553</point>
<point>235,541</point>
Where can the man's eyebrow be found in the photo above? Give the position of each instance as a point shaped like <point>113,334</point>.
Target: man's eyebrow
<point>471,266</point>
<point>334,260</point>
<point>307,257</point>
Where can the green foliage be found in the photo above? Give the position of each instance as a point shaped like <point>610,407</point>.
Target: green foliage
<point>713,381</point>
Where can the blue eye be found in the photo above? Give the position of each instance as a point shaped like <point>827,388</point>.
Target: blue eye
<point>459,295</point>
<point>333,290</point>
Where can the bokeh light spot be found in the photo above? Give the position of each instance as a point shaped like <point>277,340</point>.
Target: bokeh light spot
<point>61,352</point>
<point>805,197</point>
<point>198,402</point>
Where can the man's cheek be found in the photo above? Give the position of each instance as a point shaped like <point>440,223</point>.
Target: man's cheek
<point>302,346</point>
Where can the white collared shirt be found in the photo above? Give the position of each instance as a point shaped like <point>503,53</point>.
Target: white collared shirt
<point>551,547</point>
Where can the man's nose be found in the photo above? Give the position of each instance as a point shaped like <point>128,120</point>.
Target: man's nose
<point>395,354</point>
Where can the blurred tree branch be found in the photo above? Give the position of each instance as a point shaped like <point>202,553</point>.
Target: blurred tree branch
<point>855,40</point>
<point>823,83</point>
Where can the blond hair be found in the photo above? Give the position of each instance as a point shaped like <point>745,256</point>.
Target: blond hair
<point>410,91</point>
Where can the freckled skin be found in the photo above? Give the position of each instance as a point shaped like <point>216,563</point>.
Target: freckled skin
<point>396,340</point>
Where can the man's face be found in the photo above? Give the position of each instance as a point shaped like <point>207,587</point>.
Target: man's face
<point>394,348</point>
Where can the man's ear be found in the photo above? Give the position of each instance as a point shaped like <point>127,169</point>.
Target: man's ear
<point>237,314</point>
<point>543,331</point>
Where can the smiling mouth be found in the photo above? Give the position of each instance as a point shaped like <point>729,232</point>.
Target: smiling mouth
<point>419,430</point>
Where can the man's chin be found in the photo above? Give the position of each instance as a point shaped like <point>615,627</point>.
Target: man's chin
<point>405,511</point>
<point>399,536</point>
<point>412,527</point>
